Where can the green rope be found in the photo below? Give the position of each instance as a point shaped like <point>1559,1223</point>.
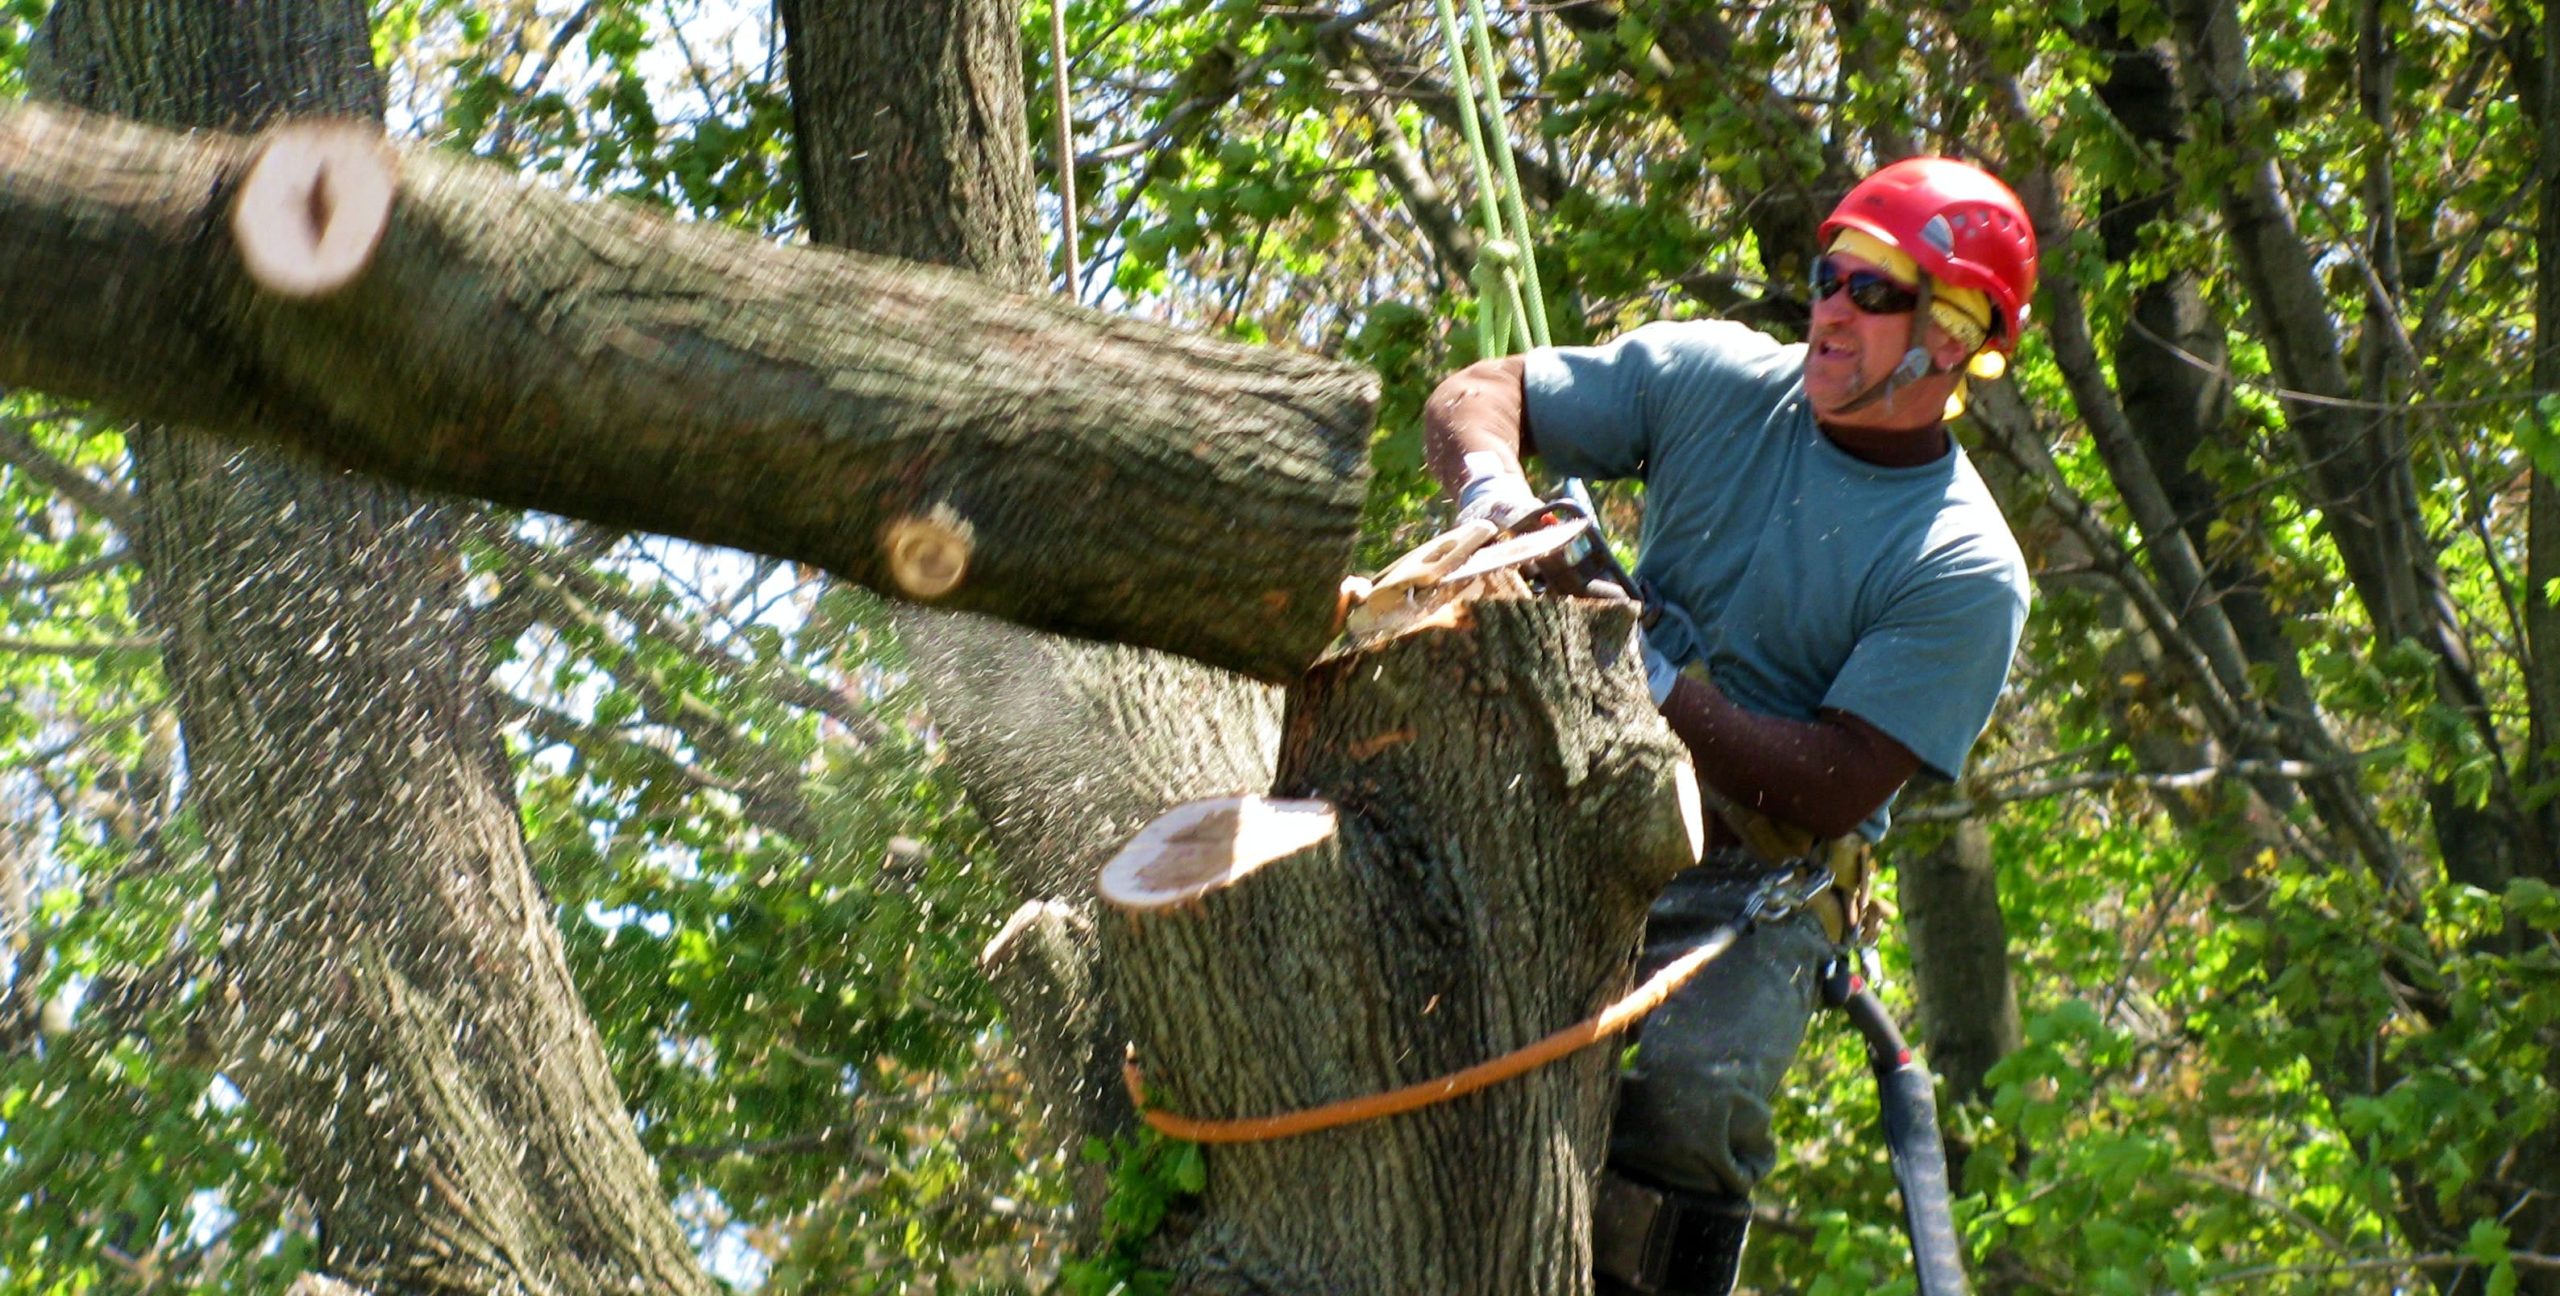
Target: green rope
<point>1512,313</point>
<point>1511,310</point>
<point>1512,204</point>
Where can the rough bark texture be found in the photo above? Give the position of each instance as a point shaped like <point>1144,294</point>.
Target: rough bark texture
<point>911,139</point>
<point>1509,802</point>
<point>1115,479</point>
<point>1066,749</point>
<point>403,1019</point>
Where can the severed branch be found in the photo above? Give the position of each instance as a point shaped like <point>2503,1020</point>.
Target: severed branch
<point>435,321</point>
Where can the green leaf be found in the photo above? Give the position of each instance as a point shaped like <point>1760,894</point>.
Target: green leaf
<point>2534,903</point>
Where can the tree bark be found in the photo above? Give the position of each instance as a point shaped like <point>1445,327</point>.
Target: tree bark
<point>938,169</point>
<point>1960,957</point>
<point>1082,474</point>
<point>1066,749</point>
<point>403,1020</point>
<point>1505,803</point>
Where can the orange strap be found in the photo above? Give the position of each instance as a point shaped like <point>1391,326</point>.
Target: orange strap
<point>1582,1034</point>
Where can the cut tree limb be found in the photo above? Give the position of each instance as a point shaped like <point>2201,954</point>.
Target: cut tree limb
<point>1114,480</point>
<point>313,207</point>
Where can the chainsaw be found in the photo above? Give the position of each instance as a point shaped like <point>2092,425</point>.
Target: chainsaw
<point>1557,551</point>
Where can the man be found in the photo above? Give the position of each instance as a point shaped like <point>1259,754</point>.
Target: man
<point>1832,602</point>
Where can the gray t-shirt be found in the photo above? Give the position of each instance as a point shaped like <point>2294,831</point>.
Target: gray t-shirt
<point>1815,580</point>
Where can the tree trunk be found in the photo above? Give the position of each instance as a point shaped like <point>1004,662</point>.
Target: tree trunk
<point>1064,747</point>
<point>906,429</point>
<point>1950,892</point>
<point>1498,803</point>
<point>911,133</point>
<point>401,1014</point>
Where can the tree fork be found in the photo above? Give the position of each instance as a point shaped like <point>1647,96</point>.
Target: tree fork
<point>1112,479</point>
<point>1455,860</point>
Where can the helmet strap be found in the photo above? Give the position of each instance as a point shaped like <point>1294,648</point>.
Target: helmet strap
<point>1915,364</point>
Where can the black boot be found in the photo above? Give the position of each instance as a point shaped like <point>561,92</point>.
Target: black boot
<point>1652,1241</point>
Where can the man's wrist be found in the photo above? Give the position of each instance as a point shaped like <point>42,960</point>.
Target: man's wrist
<point>1661,678</point>
<point>1496,490</point>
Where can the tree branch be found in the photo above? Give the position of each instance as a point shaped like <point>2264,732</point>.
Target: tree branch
<point>1977,796</point>
<point>80,649</point>
<point>99,565</point>
<point>906,429</point>
<point>551,575</point>
<point>20,451</point>
<point>2450,1260</point>
<point>771,787</point>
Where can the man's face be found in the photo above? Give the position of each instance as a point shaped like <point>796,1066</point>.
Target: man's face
<point>1849,350</point>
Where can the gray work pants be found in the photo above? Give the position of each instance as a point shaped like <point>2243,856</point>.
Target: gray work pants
<point>1693,1110</point>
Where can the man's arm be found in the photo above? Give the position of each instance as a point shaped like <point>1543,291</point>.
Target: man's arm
<point>1481,409</point>
<point>1824,775</point>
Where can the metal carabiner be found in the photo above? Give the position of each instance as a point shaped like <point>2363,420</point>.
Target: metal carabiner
<point>1782,892</point>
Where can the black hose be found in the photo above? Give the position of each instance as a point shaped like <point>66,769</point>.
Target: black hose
<point>1910,1110</point>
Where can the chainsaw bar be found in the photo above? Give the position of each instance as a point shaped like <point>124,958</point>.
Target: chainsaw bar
<point>1519,550</point>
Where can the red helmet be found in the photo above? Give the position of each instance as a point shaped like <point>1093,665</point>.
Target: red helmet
<point>1959,223</point>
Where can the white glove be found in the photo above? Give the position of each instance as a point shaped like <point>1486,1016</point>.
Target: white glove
<point>1497,492</point>
<point>1660,672</point>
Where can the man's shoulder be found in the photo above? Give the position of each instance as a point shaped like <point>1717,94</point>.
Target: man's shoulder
<point>1972,536</point>
<point>1713,366</point>
<point>1720,340</point>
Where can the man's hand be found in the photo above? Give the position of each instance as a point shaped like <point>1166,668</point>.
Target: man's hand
<point>1497,491</point>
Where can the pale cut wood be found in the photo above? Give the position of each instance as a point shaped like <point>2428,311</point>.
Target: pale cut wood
<point>928,555</point>
<point>1198,848</point>
<point>313,207</point>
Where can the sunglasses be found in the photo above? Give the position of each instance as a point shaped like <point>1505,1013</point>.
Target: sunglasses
<point>1871,291</point>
